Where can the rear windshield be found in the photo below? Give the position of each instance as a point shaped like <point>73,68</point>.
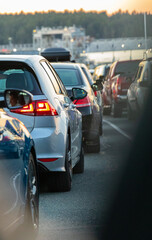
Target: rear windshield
<point>127,67</point>
<point>18,75</point>
<point>69,77</point>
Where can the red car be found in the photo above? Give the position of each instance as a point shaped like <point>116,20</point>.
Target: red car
<point>116,84</point>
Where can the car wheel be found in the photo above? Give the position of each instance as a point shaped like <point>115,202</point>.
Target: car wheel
<point>106,110</point>
<point>116,110</point>
<point>79,167</point>
<point>61,181</point>
<point>94,148</point>
<point>31,221</point>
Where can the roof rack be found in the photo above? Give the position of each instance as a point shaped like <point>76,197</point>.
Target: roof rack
<point>56,54</point>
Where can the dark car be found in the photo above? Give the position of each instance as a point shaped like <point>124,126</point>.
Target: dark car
<point>72,76</point>
<point>138,90</point>
<point>19,191</point>
<point>97,90</point>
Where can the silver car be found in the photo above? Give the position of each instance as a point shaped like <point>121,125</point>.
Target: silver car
<point>52,119</point>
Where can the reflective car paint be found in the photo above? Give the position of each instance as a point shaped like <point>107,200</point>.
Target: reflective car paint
<point>15,147</point>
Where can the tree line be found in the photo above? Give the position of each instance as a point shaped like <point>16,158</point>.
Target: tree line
<point>99,25</point>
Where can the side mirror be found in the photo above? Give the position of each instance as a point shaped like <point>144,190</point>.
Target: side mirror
<point>94,87</point>
<point>78,93</point>
<point>100,79</point>
<point>99,85</point>
<point>15,99</point>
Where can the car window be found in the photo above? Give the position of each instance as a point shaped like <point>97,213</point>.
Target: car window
<point>18,75</point>
<point>127,67</point>
<point>138,74</point>
<point>58,79</point>
<point>69,77</point>
<point>50,74</point>
<point>88,75</point>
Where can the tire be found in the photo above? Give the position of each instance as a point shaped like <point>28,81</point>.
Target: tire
<point>62,181</point>
<point>100,129</point>
<point>95,148</point>
<point>79,167</point>
<point>100,126</point>
<point>116,109</point>
<point>31,221</point>
<point>106,111</point>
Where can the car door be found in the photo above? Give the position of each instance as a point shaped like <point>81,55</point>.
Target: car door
<point>12,142</point>
<point>134,89</point>
<point>143,86</point>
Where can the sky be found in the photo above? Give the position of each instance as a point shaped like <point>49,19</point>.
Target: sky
<point>110,6</point>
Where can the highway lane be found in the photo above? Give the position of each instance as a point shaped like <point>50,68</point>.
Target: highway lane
<point>82,212</point>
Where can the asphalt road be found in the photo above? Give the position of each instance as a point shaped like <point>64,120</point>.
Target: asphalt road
<point>82,212</point>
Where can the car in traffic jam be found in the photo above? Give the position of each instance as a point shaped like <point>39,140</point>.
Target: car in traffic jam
<point>19,180</point>
<point>52,119</point>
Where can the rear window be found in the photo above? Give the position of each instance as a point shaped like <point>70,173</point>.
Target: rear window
<point>129,68</point>
<point>18,75</point>
<point>69,77</point>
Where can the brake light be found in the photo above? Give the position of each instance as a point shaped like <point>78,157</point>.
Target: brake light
<point>95,93</point>
<point>85,102</point>
<point>37,108</point>
<point>47,159</point>
<point>118,85</point>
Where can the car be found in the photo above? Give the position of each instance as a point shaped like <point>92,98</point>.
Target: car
<point>138,90</point>
<point>19,180</point>
<point>97,87</point>
<point>100,71</point>
<point>72,76</point>
<point>116,85</point>
<point>52,119</point>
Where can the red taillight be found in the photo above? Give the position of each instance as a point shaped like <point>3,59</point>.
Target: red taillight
<point>118,84</point>
<point>95,93</point>
<point>47,159</point>
<point>45,108</point>
<point>37,108</point>
<point>85,102</point>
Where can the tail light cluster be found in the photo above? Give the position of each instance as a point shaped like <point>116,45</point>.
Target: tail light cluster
<point>85,102</point>
<point>118,84</point>
<point>95,93</point>
<point>37,108</point>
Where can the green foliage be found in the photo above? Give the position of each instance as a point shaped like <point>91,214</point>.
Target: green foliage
<point>96,24</point>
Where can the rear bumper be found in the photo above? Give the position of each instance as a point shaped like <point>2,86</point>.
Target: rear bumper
<point>50,148</point>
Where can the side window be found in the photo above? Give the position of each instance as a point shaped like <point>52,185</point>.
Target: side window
<point>59,81</point>
<point>51,76</point>
<point>146,75</point>
<point>138,75</point>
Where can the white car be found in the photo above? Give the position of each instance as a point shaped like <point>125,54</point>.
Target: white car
<point>52,119</point>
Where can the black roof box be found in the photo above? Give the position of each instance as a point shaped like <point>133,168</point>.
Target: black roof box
<point>56,54</point>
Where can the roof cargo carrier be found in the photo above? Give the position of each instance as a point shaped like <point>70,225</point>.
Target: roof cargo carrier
<point>56,54</point>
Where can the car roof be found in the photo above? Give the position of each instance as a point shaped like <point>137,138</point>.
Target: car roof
<point>65,65</point>
<point>21,58</point>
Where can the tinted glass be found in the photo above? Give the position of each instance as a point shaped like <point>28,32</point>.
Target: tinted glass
<point>69,77</point>
<point>127,67</point>
<point>88,75</point>
<point>18,75</point>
